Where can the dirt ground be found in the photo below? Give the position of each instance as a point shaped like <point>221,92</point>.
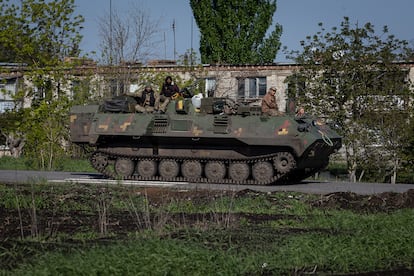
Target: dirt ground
<point>342,200</point>
<point>18,223</point>
<point>49,222</point>
<point>362,203</point>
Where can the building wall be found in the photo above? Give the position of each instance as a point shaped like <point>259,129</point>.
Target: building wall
<point>227,77</point>
<point>275,75</point>
<point>108,81</point>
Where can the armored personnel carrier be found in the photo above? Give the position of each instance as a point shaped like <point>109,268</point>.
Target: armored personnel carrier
<point>216,140</point>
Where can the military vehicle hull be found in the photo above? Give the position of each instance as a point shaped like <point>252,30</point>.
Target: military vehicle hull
<point>209,144</point>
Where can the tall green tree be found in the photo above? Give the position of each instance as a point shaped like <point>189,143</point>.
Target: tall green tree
<point>356,78</point>
<point>234,31</point>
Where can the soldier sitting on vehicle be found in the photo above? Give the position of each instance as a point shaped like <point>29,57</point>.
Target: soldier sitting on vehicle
<point>168,91</point>
<point>300,112</point>
<point>148,100</point>
<point>269,106</point>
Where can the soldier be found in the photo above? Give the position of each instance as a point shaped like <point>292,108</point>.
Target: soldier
<point>168,90</point>
<point>147,102</point>
<point>269,106</point>
<point>300,112</point>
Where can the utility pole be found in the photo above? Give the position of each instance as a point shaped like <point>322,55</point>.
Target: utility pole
<point>173,27</point>
<point>110,32</point>
<point>191,43</point>
<point>165,47</point>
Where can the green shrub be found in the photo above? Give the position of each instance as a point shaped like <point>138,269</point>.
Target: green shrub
<point>11,163</point>
<point>337,169</point>
<point>406,176</point>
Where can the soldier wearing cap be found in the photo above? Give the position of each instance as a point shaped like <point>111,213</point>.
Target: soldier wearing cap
<point>269,106</point>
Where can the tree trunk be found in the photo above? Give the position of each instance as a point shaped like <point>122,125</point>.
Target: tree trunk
<point>361,175</point>
<point>394,172</point>
<point>352,164</point>
<point>15,144</point>
<point>352,175</point>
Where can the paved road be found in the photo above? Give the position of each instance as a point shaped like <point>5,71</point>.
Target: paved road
<point>314,187</point>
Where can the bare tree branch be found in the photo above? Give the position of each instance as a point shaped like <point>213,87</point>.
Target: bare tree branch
<point>127,38</point>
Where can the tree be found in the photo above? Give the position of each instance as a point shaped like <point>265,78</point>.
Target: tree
<point>189,58</point>
<point>127,38</point>
<point>41,34</point>
<point>10,133</point>
<point>407,175</point>
<point>357,78</point>
<point>234,31</point>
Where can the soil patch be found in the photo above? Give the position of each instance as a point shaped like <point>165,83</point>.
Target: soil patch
<point>49,223</point>
<point>383,202</point>
<point>99,223</point>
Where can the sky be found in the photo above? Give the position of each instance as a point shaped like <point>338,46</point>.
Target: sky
<point>299,18</point>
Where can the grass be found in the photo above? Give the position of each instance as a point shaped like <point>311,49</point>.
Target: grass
<point>66,164</point>
<point>196,233</point>
<point>203,254</point>
<point>140,257</point>
<point>10,163</point>
<point>353,242</point>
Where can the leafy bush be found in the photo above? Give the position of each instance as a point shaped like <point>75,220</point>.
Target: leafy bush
<point>11,163</point>
<point>337,168</point>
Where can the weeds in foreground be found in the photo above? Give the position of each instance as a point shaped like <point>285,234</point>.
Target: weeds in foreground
<point>150,231</point>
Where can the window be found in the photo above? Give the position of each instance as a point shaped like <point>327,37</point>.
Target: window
<point>43,91</point>
<point>210,87</point>
<point>296,88</point>
<point>8,89</point>
<point>252,87</point>
<point>76,87</point>
<point>80,90</point>
<point>133,87</point>
<point>6,105</point>
<point>113,87</point>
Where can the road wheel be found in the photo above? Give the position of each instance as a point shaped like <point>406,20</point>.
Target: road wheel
<point>147,168</point>
<point>215,170</point>
<point>191,169</point>
<point>168,169</point>
<point>262,171</point>
<point>124,167</point>
<point>239,171</point>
